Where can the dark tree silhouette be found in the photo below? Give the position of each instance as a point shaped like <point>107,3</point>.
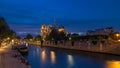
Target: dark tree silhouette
<point>29,36</point>
<point>56,35</point>
<point>5,30</point>
<point>37,38</point>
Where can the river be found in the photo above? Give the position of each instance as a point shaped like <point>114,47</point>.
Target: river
<point>47,57</point>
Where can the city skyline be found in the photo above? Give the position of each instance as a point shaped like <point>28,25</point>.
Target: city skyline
<point>77,16</point>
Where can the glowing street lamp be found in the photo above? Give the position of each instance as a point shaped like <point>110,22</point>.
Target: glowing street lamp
<point>117,35</point>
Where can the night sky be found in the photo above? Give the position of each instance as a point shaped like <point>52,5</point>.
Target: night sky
<point>26,16</point>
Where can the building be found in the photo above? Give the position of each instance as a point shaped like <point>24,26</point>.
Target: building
<point>46,29</point>
<point>43,31</point>
<point>102,31</point>
<point>49,29</point>
<point>61,29</point>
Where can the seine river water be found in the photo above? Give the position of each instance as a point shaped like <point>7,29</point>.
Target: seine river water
<point>46,57</point>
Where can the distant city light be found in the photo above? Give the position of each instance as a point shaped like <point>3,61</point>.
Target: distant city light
<point>80,33</point>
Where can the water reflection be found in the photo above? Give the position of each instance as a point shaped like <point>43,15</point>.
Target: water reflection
<point>43,55</point>
<point>53,57</point>
<point>37,50</point>
<point>113,64</point>
<point>70,60</point>
<point>59,58</point>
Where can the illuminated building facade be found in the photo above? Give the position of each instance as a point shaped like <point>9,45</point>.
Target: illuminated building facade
<point>49,29</point>
<point>61,29</point>
<point>43,31</point>
<point>46,29</point>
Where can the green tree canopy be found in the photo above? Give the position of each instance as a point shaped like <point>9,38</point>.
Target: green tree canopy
<point>29,36</point>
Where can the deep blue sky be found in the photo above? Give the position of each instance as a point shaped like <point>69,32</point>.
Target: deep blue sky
<point>26,16</point>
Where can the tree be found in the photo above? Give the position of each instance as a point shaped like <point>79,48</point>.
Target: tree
<point>75,36</point>
<point>5,30</point>
<point>29,36</point>
<point>18,37</point>
<point>56,35</point>
<point>48,37</point>
<point>37,38</point>
<point>62,36</point>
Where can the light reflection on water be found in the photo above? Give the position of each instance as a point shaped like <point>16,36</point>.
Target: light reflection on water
<point>53,57</point>
<point>113,64</point>
<point>43,56</point>
<point>70,60</point>
<point>58,58</point>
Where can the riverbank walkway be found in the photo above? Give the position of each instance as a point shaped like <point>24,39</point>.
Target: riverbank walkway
<point>7,59</point>
<point>109,47</point>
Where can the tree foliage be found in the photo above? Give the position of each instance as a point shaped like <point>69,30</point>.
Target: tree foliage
<point>18,37</point>
<point>5,30</point>
<point>37,38</point>
<point>56,35</point>
<point>48,37</point>
<point>74,36</point>
<point>29,36</point>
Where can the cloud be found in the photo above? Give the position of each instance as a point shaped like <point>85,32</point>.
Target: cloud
<point>23,27</point>
<point>25,33</point>
<point>18,13</point>
<point>76,16</point>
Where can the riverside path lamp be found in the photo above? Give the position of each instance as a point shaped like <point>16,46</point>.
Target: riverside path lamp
<point>117,35</point>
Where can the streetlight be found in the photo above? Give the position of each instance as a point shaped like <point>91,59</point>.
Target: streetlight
<point>117,35</point>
